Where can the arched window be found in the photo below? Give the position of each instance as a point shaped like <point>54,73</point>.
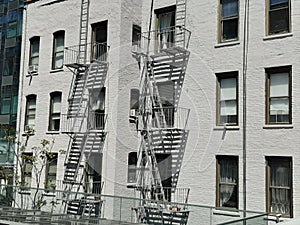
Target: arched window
<point>58,49</point>
<point>30,112</point>
<point>34,52</point>
<point>55,110</point>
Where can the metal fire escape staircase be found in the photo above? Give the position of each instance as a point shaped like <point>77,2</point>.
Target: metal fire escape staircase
<point>79,122</point>
<point>157,133</point>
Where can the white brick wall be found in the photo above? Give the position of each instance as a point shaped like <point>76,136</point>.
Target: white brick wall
<point>199,91</point>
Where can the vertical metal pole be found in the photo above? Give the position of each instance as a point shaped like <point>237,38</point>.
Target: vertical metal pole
<point>245,62</point>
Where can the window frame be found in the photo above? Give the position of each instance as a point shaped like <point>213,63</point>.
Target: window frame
<point>48,183</point>
<point>268,10</point>
<point>99,49</point>
<point>268,72</point>
<point>132,167</point>
<point>54,114</point>
<point>221,76</point>
<point>218,176</point>
<point>55,52</point>
<point>220,23</point>
<point>275,159</point>
<point>27,115</point>
<point>34,40</point>
<point>26,174</point>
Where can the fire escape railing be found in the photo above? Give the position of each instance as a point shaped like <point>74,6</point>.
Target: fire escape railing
<point>95,51</point>
<point>176,36</point>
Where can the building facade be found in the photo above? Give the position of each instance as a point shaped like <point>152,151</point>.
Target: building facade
<point>11,16</point>
<point>237,82</point>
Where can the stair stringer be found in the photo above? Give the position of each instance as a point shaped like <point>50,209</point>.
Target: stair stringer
<point>171,67</point>
<point>171,141</point>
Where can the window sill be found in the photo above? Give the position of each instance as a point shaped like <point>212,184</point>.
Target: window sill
<point>226,128</point>
<point>229,43</point>
<point>278,126</point>
<point>56,70</point>
<point>277,36</point>
<point>53,132</point>
<point>226,212</point>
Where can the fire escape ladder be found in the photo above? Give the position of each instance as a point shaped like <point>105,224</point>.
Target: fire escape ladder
<point>85,4</point>
<point>146,154</point>
<point>74,159</point>
<point>78,98</point>
<point>162,130</point>
<point>180,18</point>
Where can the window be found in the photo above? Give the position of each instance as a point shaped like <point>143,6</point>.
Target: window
<point>278,100</point>
<point>58,49</point>
<point>5,105</point>
<point>99,40</point>
<point>136,35</point>
<point>55,109</point>
<point>166,23</point>
<point>229,20</point>
<point>132,166</point>
<point>227,98</point>
<point>34,51</point>
<point>27,161</point>
<point>12,29</point>
<point>278,16</point>
<point>51,168</point>
<point>30,111</point>
<point>164,164</point>
<point>227,181</point>
<point>167,99</point>
<point>279,185</point>
<point>134,104</point>
<point>97,103</point>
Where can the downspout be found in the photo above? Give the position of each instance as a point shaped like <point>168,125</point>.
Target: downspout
<point>21,82</point>
<point>245,64</point>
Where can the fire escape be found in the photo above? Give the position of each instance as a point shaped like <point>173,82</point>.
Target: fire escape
<point>163,57</point>
<point>84,125</point>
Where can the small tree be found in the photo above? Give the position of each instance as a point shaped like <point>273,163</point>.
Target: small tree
<point>41,156</point>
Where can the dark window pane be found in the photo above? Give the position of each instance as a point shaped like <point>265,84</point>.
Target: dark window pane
<point>228,196</point>
<point>230,29</point>
<point>12,30</point>
<point>280,185</point>
<point>279,21</point>
<point>5,106</point>
<point>276,3</point>
<point>229,8</point>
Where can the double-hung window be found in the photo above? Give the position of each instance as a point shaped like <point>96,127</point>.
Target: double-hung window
<point>27,165</point>
<point>278,16</point>
<point>132,167</point>
<point>58,49</point>
<point>30,111</point>
<point>229,20</point>
<point>278,84</point>
<point>34,52</point>
<point>51,170</point>
<point>12,29</point>
<point>227,181</point>
<point>279,185</point>
<point>55,110</point>
<point>166,23</point>
<point>227,98</point>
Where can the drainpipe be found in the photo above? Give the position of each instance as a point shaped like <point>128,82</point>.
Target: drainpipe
<point>21,82</point>
<point>245,64</point>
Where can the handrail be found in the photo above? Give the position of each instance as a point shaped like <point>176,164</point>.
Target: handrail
<point>175,118</point>
<point>160,39</point>
<point>96,51</point>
